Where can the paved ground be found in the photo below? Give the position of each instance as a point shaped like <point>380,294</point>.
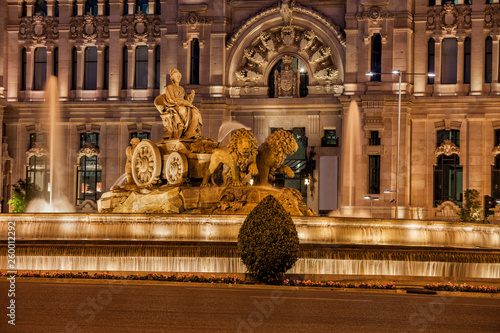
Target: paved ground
<point>91,307</point>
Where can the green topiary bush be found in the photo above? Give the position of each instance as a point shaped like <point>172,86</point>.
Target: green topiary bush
<point>268,243</point>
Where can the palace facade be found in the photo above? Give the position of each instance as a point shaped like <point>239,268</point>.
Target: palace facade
<point>293,65</point>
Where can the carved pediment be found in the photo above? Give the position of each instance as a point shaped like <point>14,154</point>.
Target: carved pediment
<point>449,19</point>
<point>447,148</point>
<point>89,29</point>
<point>140,28</point>
<point>88,150</point>
<point>37,150</point>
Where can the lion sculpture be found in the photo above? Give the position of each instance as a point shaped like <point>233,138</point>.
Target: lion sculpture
<point>239,157</point>
<point>272,153</point>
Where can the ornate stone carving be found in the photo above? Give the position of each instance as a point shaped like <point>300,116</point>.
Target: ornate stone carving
<point>495,151</point>
<point>277,8</point>
<point>492,17</point>
<point>286,82</point>
<point>88,150</point>
<point>38,29</point>
<point>292,39</point>
<point>448,148</point>
<point>286,11</point>
<point>193,20</point>
<point>449,19</point>
<point>140,28</point>
<point>89,29</point>
<point>38,150</point>
<point>374,14</point>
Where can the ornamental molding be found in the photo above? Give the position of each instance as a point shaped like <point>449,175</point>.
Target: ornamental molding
<point>286,8</point>
<point>447,148</point>
<point>89,29</point>
<point>88,150</point>
<point>37,150</point>
<point>140,28</point>
<point>375,15</point>
<point>449,19</point>
<point>496,150</point>
<point>292,40</point>
<point>492,17</point>
<point>38,29</point>
<point>193,20</point>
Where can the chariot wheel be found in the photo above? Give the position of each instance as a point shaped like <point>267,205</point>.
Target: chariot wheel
<point>146,163</point>
<point>176,168</point>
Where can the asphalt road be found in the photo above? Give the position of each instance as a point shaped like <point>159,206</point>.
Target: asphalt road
<point>89,307</point>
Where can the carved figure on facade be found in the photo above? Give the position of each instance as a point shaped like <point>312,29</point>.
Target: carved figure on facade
<point>286,82</point>
<point>447,148</point>
<point>239,156</point>
<point>375,15</point>
<point>181,119</point>
<point>272,154</point>
<point>267,42</point>
<point>38,29</point>
<point>286,11</point>
<point>128,165</point>
<point>89,29</point>
<point>140,28</point>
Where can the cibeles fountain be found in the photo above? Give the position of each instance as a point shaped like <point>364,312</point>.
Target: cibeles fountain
<point>183,199</point>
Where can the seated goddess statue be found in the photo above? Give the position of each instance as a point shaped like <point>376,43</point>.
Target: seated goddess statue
<point>181,119</point>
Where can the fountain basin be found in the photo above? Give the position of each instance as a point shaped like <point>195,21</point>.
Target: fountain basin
<point>207,243</point>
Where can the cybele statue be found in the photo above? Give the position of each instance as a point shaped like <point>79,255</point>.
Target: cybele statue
<point>187,173</point>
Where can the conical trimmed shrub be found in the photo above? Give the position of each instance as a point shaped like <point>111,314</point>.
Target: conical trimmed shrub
<point>268,243</point>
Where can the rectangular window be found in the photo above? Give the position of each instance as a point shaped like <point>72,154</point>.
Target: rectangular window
<point>90,75</point>
<point>330,139</point>
<point>141,67</point>
<point>497,138</point>
<point>376,57</point>
<point>92,138</point>
<point>449,61</point>
<point>74,68</point>
<point>488,60</point>
<point>195,61</point>
<point>89,172</point>
<point>374,174</point>
<point>105,84</point>
<point>467,59</point>
<point>124,67</point>
<point>431,59</point>
<point>452,135</point>
<point>40,68</point>
<point>374,139</point>
<point>140,136</point>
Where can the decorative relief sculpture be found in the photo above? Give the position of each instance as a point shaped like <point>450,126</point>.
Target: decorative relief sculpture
<point>375,14</point>
<point>88,150</point>
<point>128,165</point>
<point>449,19</point>
<point>38,150</point>
<point>239,157</point>
<point>140,28</point>
<point>448,148</point>
<point>272,154</point>
<point>38,29</point>
<point>181,119</point>
<point>286,82</point>
<point>89,29</point>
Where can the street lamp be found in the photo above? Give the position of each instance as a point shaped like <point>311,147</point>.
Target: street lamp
<point>400,74</point>
<point>371,198</point>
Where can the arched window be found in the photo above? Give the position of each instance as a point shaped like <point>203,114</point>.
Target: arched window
<point>124,67</point>
<point>74,68</point>
<point>40,8</point>
<point>431,56</point>
<point>74,8</point>
<point>448,180</point>
<point>56,61</point>
<point>467,59</point>
<point>56,8</point>
<point>495,178</point>
<point>90,76</point>
<point>141,67</point>
<point>488,59</point>
<point>157,7</point>
<point>195,61</point>
<point>157,67</point>
<point>91,7</point>
<point>295,72</point>
<point>142,6</point>
<point>37,170</point>
<point>449,61</point>
<point>24,9</point>
<point>89,171</point>
<point>40,68</point>
<point>376,57</point>
<point>105,84</point>
<point>23,69</point>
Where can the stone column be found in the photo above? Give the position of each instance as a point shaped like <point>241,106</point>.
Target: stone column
<point>151,4</point>
<point>437,61</point>
<point>100,70</point>
<point>460,62</point>
<point>420,58</point>
<point>30,66</point>
<point>80,69</point>
<point>131,67</point>
<point>131,5</point>
<point>50,61</point>
<point>477,55</point>
<point>495,55</point>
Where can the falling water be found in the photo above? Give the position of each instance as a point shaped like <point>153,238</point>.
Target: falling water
<point>350,158</point>
<point>57,201</point>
